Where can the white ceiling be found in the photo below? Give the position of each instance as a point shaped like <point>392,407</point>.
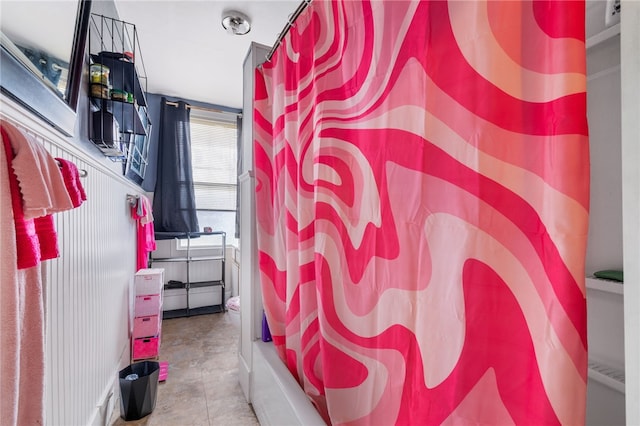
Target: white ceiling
<point>185,50</point>
<point>188,54</point>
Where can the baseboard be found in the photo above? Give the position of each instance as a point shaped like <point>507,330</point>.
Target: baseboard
<point>244,376</point>
<point>103,414</point>
<point>107,411</point>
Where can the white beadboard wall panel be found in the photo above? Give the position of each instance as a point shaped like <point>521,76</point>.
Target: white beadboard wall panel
<point>88,297</point>
<point>88,289</point>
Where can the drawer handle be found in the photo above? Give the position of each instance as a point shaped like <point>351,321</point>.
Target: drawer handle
<point>146,298</point>
<point>146,319</point>
<point>146,340</point>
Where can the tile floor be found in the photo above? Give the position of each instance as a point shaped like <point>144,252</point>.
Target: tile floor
<point>202,386</point>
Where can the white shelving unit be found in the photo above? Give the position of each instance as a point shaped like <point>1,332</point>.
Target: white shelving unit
<point>194,290</point>
<point>608,376</point>
<point>605,298</point>
<point>605,327</point>
<point>607,286</point>
<point>603,36</point>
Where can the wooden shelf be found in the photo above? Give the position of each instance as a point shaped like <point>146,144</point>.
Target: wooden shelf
<point>166,235</point>
<point>129,144</point>
<point>123,73</point>
<point>602,36</point>
<point>203,310</point>
<point>201,284</point>
<point>187,259</point>
<point>127,114</point>
<point>608,376</point>
<point>607,286</point>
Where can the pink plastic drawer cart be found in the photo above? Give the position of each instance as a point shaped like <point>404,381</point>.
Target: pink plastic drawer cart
<point>149,304</point>
<point>146,348</point>
<point>147,314</point>
<point>147,326</point>
<point>149,281</point>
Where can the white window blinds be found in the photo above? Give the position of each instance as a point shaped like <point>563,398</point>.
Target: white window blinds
<point>213,157</point>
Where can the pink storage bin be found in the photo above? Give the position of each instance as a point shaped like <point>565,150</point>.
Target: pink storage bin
<point>146,326</point>
<point>146,347</point>
<point>164,371</point>
<point>148,281</point>
<point>147,305</point>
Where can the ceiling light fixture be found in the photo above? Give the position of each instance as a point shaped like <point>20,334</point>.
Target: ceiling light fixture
<point>235,23</point>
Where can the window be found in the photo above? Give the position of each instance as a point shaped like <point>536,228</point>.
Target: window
<point>214,153</point>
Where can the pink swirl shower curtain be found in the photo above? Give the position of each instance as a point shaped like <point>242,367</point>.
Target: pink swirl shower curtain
<point>422,204</point>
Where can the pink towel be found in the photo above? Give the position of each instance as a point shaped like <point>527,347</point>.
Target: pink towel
<point>146,240</point>
<point>36,239</point>
<point>47,237</point>
<point>41,184</point>
<point>21,321</point>
<point>26,238</point>
<point>147,215</point>
<point>72,182</point>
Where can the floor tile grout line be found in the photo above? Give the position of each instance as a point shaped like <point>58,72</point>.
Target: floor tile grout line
<point>206,397</point>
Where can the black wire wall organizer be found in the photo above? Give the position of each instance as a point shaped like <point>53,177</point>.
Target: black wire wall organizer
<point>119,122</point>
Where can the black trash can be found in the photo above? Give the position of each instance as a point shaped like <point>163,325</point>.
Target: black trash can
<point>138,395</point>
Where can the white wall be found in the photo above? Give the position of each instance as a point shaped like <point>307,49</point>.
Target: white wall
<point>87,289</point>
<point>249,291</point>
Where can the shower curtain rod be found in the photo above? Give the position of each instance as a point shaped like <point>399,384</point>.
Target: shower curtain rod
<point>285,30</point>
<point>206,109</point>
